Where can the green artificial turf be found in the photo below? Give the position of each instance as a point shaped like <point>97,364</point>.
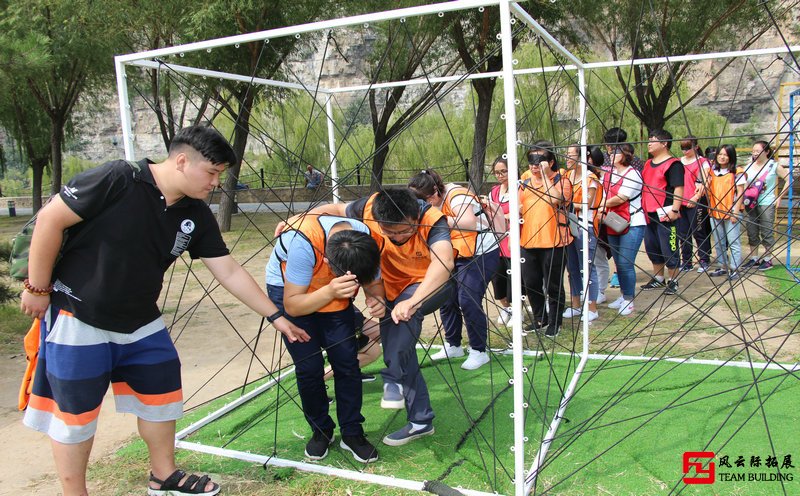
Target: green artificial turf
<point>624,432</point>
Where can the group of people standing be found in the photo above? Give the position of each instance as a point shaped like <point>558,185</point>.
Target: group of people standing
<point>675,205</point>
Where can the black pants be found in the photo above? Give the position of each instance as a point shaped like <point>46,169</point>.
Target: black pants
<point>543,274</point>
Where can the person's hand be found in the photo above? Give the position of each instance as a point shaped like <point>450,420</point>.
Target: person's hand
<point>33,305</point>
<point>403,311</point>
<point>691,204</point>
<point>672,215</point>
<point>777,203</point>
<point>376,307</point>
<point>292,332</point>
<point>735,217</point>
<point>344,286</point>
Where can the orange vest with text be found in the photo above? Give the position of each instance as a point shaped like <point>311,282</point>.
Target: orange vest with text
<point>464,241</point>
<point>404,265</point>
<point>309,227</point>
<point>544,225</point>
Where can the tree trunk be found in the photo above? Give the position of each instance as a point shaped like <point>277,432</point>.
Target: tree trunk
<point>484,89</point>
<point>37,165</point>
<point>56,145</point>
<point>378,161</point>
<point>240,135</point>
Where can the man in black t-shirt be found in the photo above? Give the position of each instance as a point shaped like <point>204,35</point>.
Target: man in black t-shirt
<point>662,194</point>
<point>99,320</point>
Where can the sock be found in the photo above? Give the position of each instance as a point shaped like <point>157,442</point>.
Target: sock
<point>660,278</point>
<point>417,427</point>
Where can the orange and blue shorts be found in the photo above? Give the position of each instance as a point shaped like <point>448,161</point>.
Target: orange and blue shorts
<point>78,361</point>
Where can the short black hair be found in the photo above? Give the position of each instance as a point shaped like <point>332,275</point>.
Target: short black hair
<point>595,159</point>
<point>614,136</point>
<point>207,141</point>
<point>544,148</point>
<point>395,206</point>
<point>355,252</point>
<point>661,135</point>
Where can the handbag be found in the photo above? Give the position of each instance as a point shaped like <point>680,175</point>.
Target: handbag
<point>754,190</point>
<point>616,223</point>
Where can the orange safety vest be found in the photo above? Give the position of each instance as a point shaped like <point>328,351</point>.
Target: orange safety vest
<point>544,225</point>
<point>721,192</point>
<point>577,194</point>
<point>309,227</point>
<point>464,241</point>
<point>404,265</point>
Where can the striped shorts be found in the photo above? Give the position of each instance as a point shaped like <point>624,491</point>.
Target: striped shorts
<point>78,361</point>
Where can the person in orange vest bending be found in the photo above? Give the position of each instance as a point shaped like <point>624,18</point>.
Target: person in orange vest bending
<point>416,261</point>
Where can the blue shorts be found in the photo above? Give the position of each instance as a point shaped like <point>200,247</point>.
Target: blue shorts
<point>78,361</point>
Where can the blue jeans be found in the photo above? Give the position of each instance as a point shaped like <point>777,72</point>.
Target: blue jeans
<point>472,276</point>
<point>727,237</point>
<point>333,332</point>
<point>624,249</point>
<point>575,265</point>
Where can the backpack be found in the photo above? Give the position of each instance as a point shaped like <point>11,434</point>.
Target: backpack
<point>21,243</point>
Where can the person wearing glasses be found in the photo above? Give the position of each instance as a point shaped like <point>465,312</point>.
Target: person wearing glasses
<point>501,282</point>
<point>544,234</point>
<point>696,170</point>
<point>583,205</point>
<point>662,194</point>
<point>476,261</point>
<point>416,262</point>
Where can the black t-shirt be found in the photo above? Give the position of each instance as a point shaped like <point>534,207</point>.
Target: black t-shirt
<point>113,263</point>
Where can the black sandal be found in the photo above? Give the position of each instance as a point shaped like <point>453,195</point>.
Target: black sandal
<point>171,485</point>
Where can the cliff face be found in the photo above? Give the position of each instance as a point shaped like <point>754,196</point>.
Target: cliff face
<point>746,92</point>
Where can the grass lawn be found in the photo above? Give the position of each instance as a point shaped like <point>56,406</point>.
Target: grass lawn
<point>624,432</point>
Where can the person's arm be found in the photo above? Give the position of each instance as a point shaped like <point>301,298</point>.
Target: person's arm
<point>738,206</point>
<point>297,301</point>
<point>436,276</point>
<point>376,298</point>
<point>554,194</point>
<point>783,173</point>
<point>337,209</point>
<point>48,235</point>
<point>675,178</point>
<point>241,284</point>
<point>464,217</point>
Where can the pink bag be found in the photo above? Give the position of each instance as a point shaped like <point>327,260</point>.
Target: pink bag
<point>751,193</point>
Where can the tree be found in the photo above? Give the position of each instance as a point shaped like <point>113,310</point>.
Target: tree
<point>401,53</point>
<point>76,41</point>
<point>259,59</point>
<point>643,28</point>
<point>20,115</point>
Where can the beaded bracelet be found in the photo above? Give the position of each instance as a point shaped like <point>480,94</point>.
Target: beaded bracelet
<point>36,291</point>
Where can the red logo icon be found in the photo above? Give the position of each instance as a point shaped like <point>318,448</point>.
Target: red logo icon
<point>703,470</point>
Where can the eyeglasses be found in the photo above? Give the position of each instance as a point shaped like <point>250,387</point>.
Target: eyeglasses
<point>402,232</point>
<point>501,172</point>
<point>686,148</point>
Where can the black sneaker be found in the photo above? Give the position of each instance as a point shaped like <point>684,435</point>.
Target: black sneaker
<point>367,377</point>
<point>317,447</point>
<point>653,284</point>
<point>687,267</point>
<point>765,265</point>
<point>536,326</point>
<point>672,288</point>
<point>749,264</point>
<point>552,332</point>
<point>362,450</point>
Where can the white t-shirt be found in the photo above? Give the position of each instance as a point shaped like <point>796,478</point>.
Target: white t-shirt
<point>632,189</point>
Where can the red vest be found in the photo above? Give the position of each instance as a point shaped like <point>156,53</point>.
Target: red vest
<point>654,189</point>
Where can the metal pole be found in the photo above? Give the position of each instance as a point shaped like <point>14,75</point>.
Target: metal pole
<point>332,150</point>
<point>516,282</point>
<point>124,109</point>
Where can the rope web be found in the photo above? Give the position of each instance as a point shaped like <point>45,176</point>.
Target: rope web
<point>721,353</point>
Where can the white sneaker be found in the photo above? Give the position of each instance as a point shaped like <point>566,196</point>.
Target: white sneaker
<point>505,316</point>
<point>601,298</point>
<point>476,359</point>
<point>448,351</point>
<point>616,304</point>
<point>626,308</point>
<point>590,316</point>
<point>571,312</point>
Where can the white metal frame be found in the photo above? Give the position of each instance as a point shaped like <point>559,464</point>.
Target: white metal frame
<point>510,12</point>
